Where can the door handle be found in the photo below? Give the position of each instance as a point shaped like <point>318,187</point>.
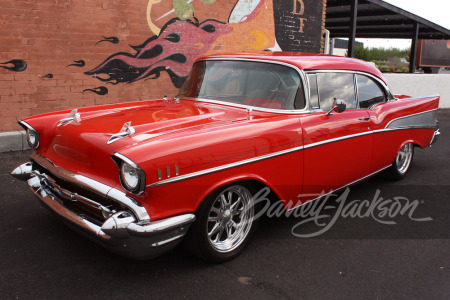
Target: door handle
<point>364,119</point>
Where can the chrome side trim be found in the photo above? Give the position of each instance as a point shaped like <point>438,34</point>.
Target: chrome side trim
<point>331,192</point>
<point>267,156</point>
<point>422,119</point>
<point>403,128</point>
<point>93,185</point>
<point>422,97</point>
<point>224,167</point>
<point>337,139</point>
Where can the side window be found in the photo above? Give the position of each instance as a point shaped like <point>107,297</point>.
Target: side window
<point>313,93</point>
<point>336,86</point>
<point>369,92</point>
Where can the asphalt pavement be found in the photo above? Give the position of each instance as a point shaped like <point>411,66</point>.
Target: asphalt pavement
<point>401,250</point>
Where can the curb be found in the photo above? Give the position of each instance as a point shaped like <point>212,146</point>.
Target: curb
<point>13,141</point>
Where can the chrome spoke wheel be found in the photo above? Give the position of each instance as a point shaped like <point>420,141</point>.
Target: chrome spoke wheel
<point>230,218</point>
<point>404,157</point>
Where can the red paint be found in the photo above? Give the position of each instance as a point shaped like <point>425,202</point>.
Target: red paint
<point>198,136</point>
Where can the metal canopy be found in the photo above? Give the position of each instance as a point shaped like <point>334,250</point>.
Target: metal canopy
<point>378,19</point>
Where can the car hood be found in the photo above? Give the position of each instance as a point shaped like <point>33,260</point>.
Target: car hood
<point>82,146</point>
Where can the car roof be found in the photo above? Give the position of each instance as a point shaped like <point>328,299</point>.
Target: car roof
<point>306,61</point>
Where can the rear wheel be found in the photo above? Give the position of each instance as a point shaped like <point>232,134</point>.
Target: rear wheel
<point>401,163</point>
<point>225,224</point>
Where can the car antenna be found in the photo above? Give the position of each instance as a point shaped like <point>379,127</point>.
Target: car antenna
<point>165,91</point>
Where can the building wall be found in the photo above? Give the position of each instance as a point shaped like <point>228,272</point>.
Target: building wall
<point>61,54</point>
<point>417,85</point>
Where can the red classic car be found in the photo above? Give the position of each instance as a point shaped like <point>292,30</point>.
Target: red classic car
<point>140,177</point>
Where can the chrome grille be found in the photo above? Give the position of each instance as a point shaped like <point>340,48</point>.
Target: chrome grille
<point>86,203</point>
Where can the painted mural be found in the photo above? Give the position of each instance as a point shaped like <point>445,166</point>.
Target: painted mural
<point>15,65</point>
<point>77,63</point>
<point>67,54</point>
<point>175,46</point>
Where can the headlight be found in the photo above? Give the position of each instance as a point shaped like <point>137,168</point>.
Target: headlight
<point>32,138</point>
<point>131,176</point>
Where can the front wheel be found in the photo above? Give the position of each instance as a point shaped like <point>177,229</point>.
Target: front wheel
<point>401,163</point>
<point>225,224</point>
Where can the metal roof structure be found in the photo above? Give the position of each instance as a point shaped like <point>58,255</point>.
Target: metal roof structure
<point>378,19</point>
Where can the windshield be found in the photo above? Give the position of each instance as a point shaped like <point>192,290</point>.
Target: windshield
<point>256,84</point>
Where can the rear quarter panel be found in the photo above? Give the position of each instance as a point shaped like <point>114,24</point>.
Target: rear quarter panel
<point>395,123</point>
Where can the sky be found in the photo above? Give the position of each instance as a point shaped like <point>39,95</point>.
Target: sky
<point>436,11</point>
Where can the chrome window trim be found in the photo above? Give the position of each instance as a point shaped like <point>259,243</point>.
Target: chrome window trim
<point>381,82</point>
<point>302,75</point>
<point>386,93</point>
<point>350,71</point>
<point>334,71</point>
<point>312,108</point>
<point>355,82</point>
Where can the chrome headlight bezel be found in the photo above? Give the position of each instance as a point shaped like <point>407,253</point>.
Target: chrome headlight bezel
<point>33,137</point>
<point>134,172</point>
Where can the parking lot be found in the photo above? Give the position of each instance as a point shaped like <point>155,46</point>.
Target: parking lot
<point>403,256</point>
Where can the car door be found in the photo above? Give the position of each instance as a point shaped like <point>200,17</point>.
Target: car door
<point>337,146</point>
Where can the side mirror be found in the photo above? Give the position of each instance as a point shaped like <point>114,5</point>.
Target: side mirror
<point>338,105</point>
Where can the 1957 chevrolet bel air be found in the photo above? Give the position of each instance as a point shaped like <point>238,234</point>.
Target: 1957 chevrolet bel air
<point>140,177</point>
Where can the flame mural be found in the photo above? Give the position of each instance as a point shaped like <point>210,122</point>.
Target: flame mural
<point>175,46</point>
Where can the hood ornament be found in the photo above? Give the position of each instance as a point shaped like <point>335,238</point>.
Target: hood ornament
<point>73,116</point>
<point>126,130</point>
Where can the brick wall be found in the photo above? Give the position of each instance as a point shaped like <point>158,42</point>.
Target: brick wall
<point>51,50</point>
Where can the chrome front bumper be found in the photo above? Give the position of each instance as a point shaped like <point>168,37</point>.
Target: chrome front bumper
<point>122,231</point>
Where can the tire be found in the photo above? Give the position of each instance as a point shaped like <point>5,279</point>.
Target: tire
<point>224,224</point>
<point>401,163</point>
